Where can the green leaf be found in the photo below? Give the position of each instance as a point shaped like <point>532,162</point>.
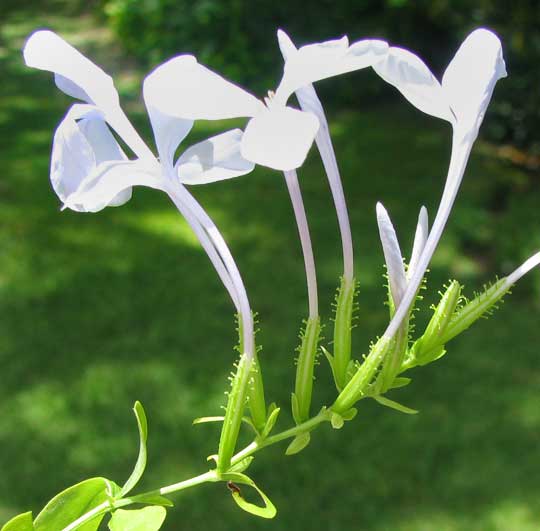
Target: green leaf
<point>395,405</point>
<point>337,421</point>
<point>140,465</point>
<point>242,465</point>
<point>73,503</point>
<point>270,423</point>
<point>146,519</point>
<point>269,509</point>
<point>152,499</point>
<point>21,522</point>
<point>203,420</point>
<point>400,382</point>
<point>350,414</point>
<point>295,409</point>
<point>298,443</point>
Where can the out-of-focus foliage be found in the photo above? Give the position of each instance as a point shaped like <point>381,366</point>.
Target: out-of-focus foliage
<point>238,38</point>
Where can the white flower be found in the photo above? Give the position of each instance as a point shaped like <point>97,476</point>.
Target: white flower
<point>276,135</point>
<point>90,171</point>
<point>461,99</point>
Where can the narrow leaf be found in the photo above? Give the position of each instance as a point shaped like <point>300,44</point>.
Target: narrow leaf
<point>400,382</point>
<point>271,422</point>
<point>295,409</point>
<point>146,519</point>
<point>269,509</point>
<point>140,465</point>
<point>298,444</point>
<point>395,405</point>
<point>243,465</point>
<point>152,499</point>
<point>21,522</point>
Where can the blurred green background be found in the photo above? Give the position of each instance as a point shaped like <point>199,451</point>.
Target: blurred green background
<point>97,311</point>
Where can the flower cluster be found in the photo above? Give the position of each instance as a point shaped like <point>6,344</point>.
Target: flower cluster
<point>91,170</point>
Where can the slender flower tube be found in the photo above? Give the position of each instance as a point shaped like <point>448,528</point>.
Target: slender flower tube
<point>276,136</point>
<point>462,99</point>
<point>305,240</point>
<point>90,171</point>
<point>309,102</point>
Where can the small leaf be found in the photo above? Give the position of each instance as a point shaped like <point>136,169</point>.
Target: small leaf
<point>146,519</point>
<point>295,409</point>
<point>73,503</point>
<point>242,465</point>
<point>21,522</point>
<point>400,382</point>
<point>269,509</point>
<point>270,423</point>
<point>337,421</point>
<point>395,405</point>
<point>203,420</point>
<point>350,414</point>
<point>140,465</point>
<point>153,499</point>
<point>298,443</point>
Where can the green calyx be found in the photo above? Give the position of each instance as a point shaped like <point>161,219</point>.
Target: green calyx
<point>341,358</point>
<point>307,355</point>
<point>234,412</point>
<point>256,400</point>
<point>358,384</point>
<point>428,347</point>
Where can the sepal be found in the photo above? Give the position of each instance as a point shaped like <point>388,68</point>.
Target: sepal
<point>298,444</point>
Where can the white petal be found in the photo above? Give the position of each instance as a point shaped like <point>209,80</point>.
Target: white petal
<point>183,88</point>
<point>111,182</point>
<point>215,159</point>
<point>470,77</point>
<point>523,269</point>
<point>75,74</point>
<point>319,61</point>
<point>392,255</point>
<point>279,137</point>
<point>410,75</point>
<point>420,238</point>
<point>169,131</point>
<point>286,45</point>
<point>81,142</point>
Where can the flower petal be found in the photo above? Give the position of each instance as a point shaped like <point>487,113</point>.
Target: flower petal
<point>470,78</point>
<point>183,88</point>
<point>81,142</point>
<point>392,255</point>
<point>279,137</point>
<point>111,182</point>
<point>314,62</point>
<point>523,269</point>
<point>75,75</point>
<point>420,238</point>
<point>410,75</point>
<point>215,159</point>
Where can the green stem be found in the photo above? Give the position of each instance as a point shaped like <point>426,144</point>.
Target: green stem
<point>208,477</point>
<point>102,508</point>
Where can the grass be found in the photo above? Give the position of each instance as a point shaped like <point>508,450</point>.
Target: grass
<point>97,311</point>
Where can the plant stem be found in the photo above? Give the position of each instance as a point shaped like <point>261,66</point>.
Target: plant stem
<point>208,477</point>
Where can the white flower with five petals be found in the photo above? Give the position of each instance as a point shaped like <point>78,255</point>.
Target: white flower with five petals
<point>90,170</point>
<point>276,136</point>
